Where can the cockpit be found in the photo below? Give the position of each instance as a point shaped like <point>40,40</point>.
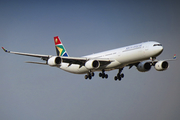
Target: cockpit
<point>157,45</point>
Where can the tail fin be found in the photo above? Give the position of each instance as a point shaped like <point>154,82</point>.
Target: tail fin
<point>60,49</point>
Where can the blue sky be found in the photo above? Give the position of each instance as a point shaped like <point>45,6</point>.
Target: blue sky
<point>38,92</point>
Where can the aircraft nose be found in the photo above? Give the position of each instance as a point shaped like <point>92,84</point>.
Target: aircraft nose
<point>160,49</point>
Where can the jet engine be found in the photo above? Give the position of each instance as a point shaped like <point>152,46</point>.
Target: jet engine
<point>53,61</point>
<point>92,64</point>
<point>144,66</point>
<point>161,65</point>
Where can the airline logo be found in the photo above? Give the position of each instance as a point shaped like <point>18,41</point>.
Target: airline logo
<point>57,41</point>
<point>60,50</point>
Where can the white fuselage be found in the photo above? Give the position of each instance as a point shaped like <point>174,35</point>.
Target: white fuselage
<point>120,57</point>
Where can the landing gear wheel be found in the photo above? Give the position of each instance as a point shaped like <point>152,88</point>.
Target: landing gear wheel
<point>122,75</point>
<point>100,74</point>
<point>92,74</point>
<point>86,76</point>
<point>115,78</point>
<point>106,76</point>
<point>103,75</point>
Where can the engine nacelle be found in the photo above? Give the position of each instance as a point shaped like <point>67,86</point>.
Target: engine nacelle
<point>53,61</point>
<point>161,65</point>
<point>144,66</point>
<point>92,64</point>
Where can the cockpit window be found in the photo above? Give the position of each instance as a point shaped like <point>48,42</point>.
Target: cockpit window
<point>157,45</point>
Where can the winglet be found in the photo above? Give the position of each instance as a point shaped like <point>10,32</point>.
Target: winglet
<point>4,49</point>
<point>174,56</point>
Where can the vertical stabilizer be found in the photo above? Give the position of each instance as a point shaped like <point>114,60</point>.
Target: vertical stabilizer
<point>60,49</point>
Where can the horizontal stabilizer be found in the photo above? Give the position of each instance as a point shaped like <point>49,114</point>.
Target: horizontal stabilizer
<point>4,49</point>
<point>174,58</point>
<point>37,63</point>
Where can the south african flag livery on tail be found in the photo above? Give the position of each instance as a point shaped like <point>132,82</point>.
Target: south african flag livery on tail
<point>60,49</point>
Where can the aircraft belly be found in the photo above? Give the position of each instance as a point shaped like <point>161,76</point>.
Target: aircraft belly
<point>113,65</point>
<point>74,68</point>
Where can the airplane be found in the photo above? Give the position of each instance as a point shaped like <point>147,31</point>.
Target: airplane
<point>141,55</point>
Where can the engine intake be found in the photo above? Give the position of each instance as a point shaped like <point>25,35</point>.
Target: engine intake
<point>53,61</point>
<point>161,65</point>
<point>144,66</point>
<point>92,64</point>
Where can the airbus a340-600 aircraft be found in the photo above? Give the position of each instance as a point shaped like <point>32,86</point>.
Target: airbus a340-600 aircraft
<point>142,55</point>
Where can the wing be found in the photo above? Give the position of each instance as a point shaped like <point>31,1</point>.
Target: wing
<point>71,60</point>
<point>44,57</point>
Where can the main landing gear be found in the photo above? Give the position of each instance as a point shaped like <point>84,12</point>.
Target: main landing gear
<point>119,75</point>
<point>89,75</point>
<point>103,75</point>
